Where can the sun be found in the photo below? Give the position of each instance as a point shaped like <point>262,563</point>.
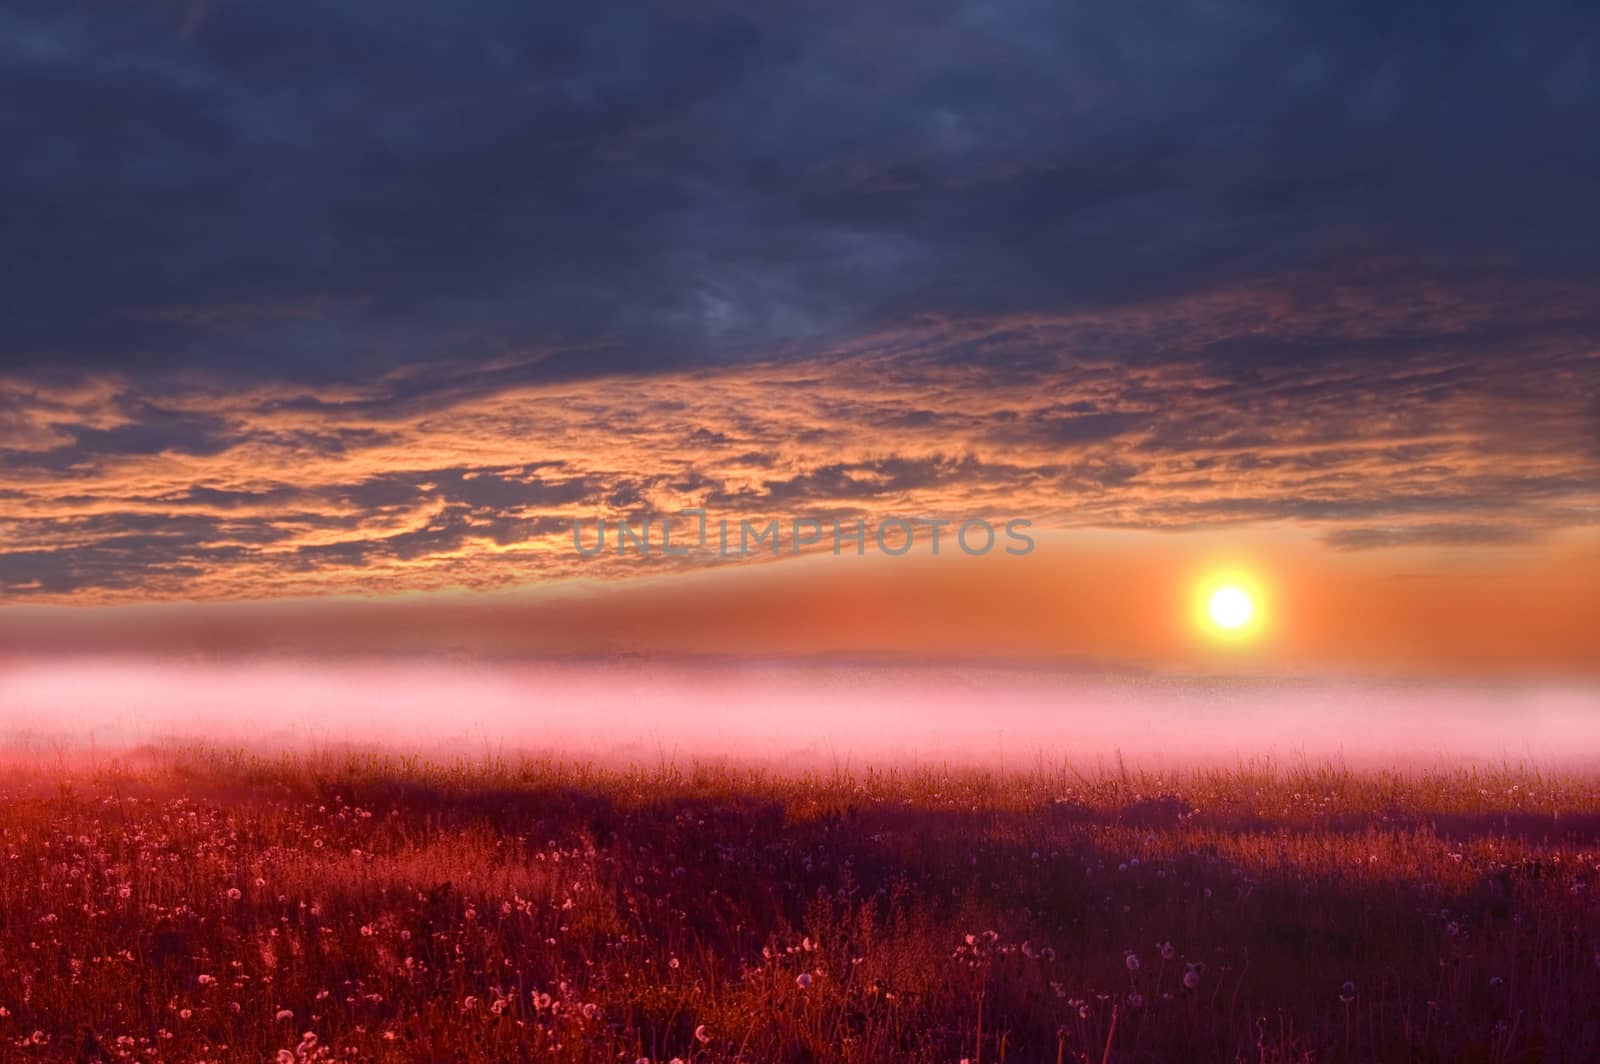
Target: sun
<point>1230,607</point>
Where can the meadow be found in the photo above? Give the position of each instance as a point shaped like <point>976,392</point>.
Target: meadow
<point>205,904</point>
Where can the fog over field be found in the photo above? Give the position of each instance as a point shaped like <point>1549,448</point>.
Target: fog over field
<point>805,715</point>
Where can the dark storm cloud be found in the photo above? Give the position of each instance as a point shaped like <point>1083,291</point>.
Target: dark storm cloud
<point>1429,535</point>
<point>148,430</point>
<point>488,489</point>
<point>329,190</point>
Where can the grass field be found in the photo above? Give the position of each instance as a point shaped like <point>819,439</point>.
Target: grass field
<point>201,904</point>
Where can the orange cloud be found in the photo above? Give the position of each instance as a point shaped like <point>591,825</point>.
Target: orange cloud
<point>446,476</point>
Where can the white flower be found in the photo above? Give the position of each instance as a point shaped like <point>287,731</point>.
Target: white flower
<point>1191,979</point>
<point>803,980</point>
<point>702,1035</point>
<point>1132,961</point>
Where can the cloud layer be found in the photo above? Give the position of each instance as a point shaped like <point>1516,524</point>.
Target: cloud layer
<point>332,192</point>
<point>1163,417</point>
<point>380,296</point>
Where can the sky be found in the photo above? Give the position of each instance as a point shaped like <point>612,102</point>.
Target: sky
<point>323,324</point>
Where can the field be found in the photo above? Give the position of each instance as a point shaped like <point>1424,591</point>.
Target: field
<point>207,905</point>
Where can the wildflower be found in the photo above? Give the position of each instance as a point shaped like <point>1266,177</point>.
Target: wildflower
<point>234,894</point>
<point>803,980</point>
<point>285,1057</point>
<point>1348,993</point>
<point>1191,979</point>
<point>1165,949</point>
<point>207,980</point>
<point>702,1035</point>
<point>1048,953</point>
<point>588,1010</point>
<point>1132,961</point>
<point>284,1015</point>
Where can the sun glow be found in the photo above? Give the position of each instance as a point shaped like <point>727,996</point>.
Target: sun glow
<point>1228,606</point>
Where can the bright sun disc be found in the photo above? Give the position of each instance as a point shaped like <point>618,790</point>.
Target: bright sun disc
<point>1230,607</point>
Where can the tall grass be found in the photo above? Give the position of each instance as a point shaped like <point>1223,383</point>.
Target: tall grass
<point>213,905</point>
